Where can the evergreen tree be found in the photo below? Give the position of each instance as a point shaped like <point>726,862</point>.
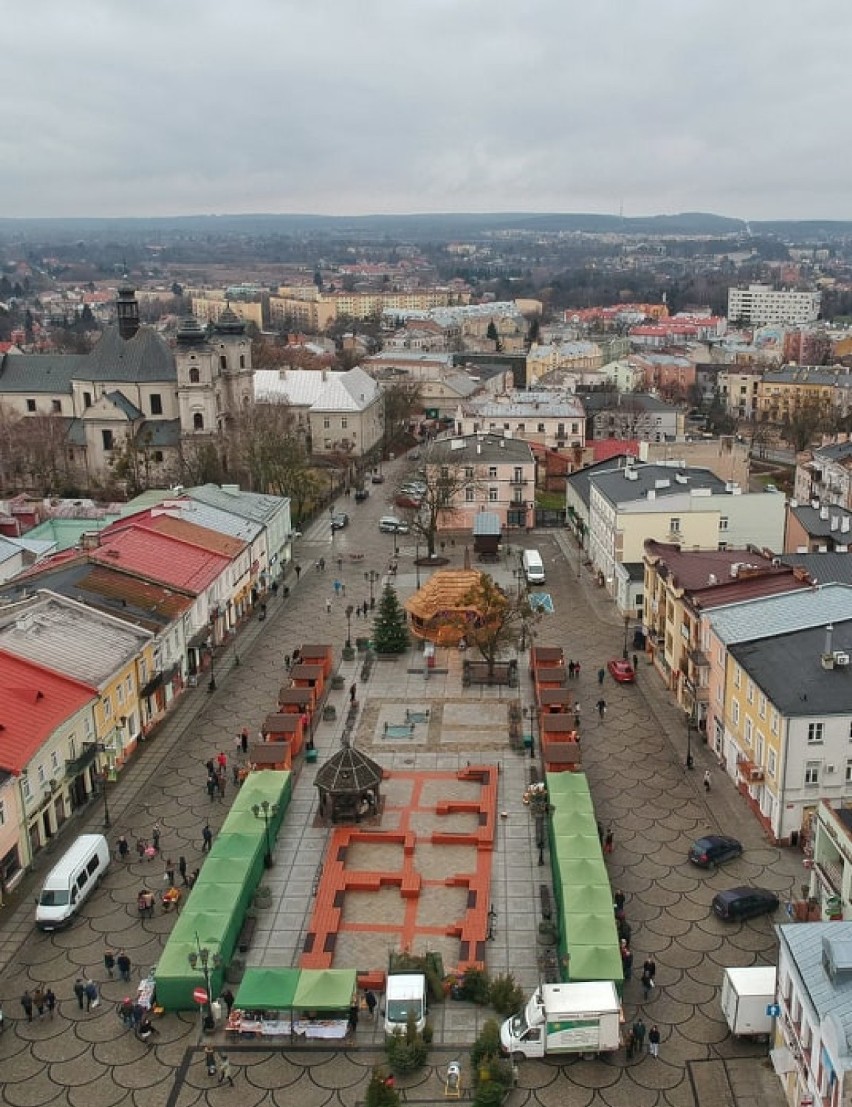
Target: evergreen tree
<point>390,631</point>
<point>381,1093</point>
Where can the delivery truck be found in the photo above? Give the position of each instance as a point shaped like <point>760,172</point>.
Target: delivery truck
<point>405,995</point>
<point>746,995</point>
<point>580,1017</point>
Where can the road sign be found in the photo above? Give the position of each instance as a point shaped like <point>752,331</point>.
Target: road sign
<point>199,995</point>
<point>773,1011</point>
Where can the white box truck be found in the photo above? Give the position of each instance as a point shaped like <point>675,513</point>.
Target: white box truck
<point>580,1017</point>
<point>746,994</point>
<point>405,992</point>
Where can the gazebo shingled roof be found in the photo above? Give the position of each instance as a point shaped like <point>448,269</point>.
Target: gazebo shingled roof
<point>348,771</point>
<point>443,591</point>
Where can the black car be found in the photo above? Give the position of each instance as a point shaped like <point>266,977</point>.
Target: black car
<point>361,494</point>
<point>713,849</point>
<point>744,903</point>
<point>377,478</point>
<point>339,520</point>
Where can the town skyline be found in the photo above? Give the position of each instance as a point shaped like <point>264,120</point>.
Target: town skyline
<point>431,107</point>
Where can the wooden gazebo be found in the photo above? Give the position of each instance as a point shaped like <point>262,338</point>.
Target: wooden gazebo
<point>440,609</point>
<point>348,785</point>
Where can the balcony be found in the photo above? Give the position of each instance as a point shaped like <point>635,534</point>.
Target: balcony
<point>830,875</point>
<point>78,764</point>
<point>518,481</point>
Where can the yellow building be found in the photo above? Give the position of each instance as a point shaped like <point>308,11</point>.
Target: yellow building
<point>783,392</point>
<point>208,308</point>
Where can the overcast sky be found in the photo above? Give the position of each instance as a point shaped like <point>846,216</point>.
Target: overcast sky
<point>164,107</point>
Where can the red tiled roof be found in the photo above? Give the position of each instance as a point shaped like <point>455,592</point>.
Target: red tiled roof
<point>605,448</point>
<point>34,701</point>
<point>706,574</point>
<point>159,557</point>
<point>202,537</point>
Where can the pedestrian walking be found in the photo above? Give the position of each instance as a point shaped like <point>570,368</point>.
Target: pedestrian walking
<point>336,587</point>
<point>79,992</point>
<point>371,1001</point>
<point>211,786</point>
<point>206,838</point>
<point>654,1041</point>
<point>27,1004</point>
<point>576,670</point>
<point>92,997</point>
<point>576,716</point>
<point>635,664</point>
<point>328,606</point>
<point>570,670</point>
<point>601,706</point>
<point>49,1002</point>
<point>619,900</point>
<point>297,569</point>
<point>647,985</point>
<point>608,841</point>
<point>109,961</point>
<point>706,780</point>
<point>287,662</point>
<point>625,931</point>
<point>626,960</point>
<point>630,1044</point>
<point>141,846</point>
<point>169,874</point>
<point>639,1032</point>
<point>155,837</point>
<point>123,965</point>
<point>353,692</point>
<point>225,1070</point>
<point>366,608</point>
<point>221,760</point>
<point>601,675</point>
<point>38,1000</point>
<point>123,848</point>
<point>227,998</point>
<point>649,966</point>
<point>182,869</point>
<point>220,784</point>
<point>352,1021</point>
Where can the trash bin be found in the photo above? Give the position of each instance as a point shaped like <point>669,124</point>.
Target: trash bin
<point>311,756</point>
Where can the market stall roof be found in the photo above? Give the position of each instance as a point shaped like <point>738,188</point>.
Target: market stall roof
<point>348,771</point>
<point>271,989</point>
<point>444,591</point>
<point>325,989</point>
<point>595,963</point>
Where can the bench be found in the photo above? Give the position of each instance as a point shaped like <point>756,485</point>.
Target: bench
<point>247,933</point>
<point>546,906</point>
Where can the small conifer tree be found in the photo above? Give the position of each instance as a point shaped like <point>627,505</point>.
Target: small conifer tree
<point>390,631</point>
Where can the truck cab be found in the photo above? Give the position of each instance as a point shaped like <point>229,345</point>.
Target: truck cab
<point>405,993</point>
<point>578,1017</point>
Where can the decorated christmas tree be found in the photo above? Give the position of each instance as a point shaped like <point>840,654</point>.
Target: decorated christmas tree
<point>390,632</point>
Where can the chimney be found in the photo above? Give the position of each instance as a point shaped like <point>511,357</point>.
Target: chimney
<point>827,659</point>
<point>127,310</point>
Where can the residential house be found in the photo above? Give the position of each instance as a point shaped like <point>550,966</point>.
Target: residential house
<point>669,375</point>
<point>96,649</point>
<point>825,473</point>
<point>828,851</point>
<point>578,492</point>
<point>680,586</point>
<point>552,419</point>
<point>501,474</point>
<point>817,528</point>
<point>49,764</point>
<point>690,507</point>
<point>270,512</point>
<point>783,392</point>
<point>739,386</point>
<point>812,1032</point>
<point>575,357</point>
<point>632,415</point>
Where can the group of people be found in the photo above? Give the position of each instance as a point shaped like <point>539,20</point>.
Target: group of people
<point>219,1066</point>
<point>636,1040</point>
<point>635,1037</point>
<point>41,1001</point>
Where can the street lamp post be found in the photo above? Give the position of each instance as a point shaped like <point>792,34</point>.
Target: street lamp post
<point>202,958</point>
<point>103,776</point>
<point>689,690</point>
<point>349,612</point>
<point>266,811</point>
<point>372,578</point>
<point>417,560</point>
<point>626,628</point>
<point>211,684</point>
<point>532,711</point>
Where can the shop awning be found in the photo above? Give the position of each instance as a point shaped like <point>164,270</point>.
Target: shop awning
<point>325,989</point>
<point>269,989</point>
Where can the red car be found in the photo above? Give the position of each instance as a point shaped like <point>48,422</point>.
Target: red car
<point>621,671</point>
<point>407,499</point>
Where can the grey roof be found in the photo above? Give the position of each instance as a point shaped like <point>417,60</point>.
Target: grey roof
<point>76,432</point>
<point>827,568</point>
<point>478,449</point>
<point>160,432</point>
<point>770,615</point>
<point>581,480</point>
<point>632,402</point>
<point>487,523</point>
<point>835,451</point>
<point>256,506</point>
<point>461,384</point>
<point>36,373</point>
<point>320,390</point>
<point>143,358</point>
<point>788,669</point>
<point>635,571</point>
<point>809,374</point>
<point>831,999</point>
<point>817,527</point>
<point>119,400</point>
<point>43,630</point>
<point>214,518</point>
<point>616,487</point>
<point>528,405</point>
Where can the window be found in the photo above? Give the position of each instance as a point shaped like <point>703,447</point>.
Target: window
<point>26,791</point>
<point>54,761</point>
<point>469,495</point>
<point>773,722</point>
<point>87,399</point>
<point>771,763</point>
<point>156,403</point>
<point>737,676</point>
<point>42,775</point>
<point>157,455</point>
<point>492,471</point>
<point>326,423</point>
<point>223,362</point>
<point>2,813</point>
<point>194,376</point>
<point>761,705</point>
<point>674,524</point>
<point>468,472</point>
<point>106,439</point>
<point>540,428</point>
<point>56,407</point>
<point>107,709</point>
<point>848,776</point>
<point>344,422</point>
<point>31,405</point>
<point>814,733</point>
<point>812,773</point>
<point>735,712</point>
<point>493,495</point>
<point>198,421</point>
<point>748,730</point>
<point>723,522</point>
<point>750,692</point>
<point>242,361</point>
<point>759,748</point>
<point>120,693</point>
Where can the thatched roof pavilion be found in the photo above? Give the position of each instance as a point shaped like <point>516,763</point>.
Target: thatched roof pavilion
<point>438,611</point>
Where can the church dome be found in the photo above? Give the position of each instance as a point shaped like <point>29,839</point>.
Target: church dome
<point>229,323</point>
<point>190,331</point>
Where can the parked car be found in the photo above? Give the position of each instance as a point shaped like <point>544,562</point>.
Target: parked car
<point>361,494</point>
<point>339,520</point>
<point>389,524</point>
<point>744,903</point>
<point>713,849</point>
<point>621,671</point>
<point>407,499</point>
<point>377,478</point>
<point>414,454</point>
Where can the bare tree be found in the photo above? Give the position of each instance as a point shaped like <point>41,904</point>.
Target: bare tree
<point>499,623</point>
<point>402,402</point>
<point>271,452</point>
<point>441,485</point>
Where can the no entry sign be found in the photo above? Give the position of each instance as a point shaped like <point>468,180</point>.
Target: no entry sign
<point>199,995</point>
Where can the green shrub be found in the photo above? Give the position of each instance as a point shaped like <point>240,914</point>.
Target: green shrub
<point>493,1075</point>
<point>487,1045</point>
<point>476,986</point>
<point>406,1052</point>
<point>506,996</point>
<point>379,1093</point>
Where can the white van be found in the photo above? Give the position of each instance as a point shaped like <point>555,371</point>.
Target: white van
<point>389,524</point>
<point>405,992</point>
<point>71,880</point>
<point>533,567</point>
